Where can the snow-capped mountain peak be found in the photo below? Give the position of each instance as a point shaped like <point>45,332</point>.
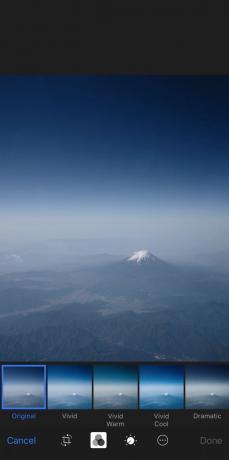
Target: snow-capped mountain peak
<point>141,256</point>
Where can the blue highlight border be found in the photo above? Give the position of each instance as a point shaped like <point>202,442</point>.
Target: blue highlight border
<point>24,365</point>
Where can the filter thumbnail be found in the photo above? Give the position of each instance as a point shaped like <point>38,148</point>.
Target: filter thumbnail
<point>23,387</point>
<point>207,387</point>
<point>69,387</point>
<point>115,387</point>
<point>161,387</point>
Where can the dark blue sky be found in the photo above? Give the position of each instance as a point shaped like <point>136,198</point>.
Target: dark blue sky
<point>70,374</point>
<point>17,375</point>
<point>156,375</point>
<point>200,375</point>
<point>91,148</point>
<point>114,374</point>
<point>60,136</point>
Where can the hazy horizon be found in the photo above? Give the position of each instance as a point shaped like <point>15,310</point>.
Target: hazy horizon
<point>143,159</point>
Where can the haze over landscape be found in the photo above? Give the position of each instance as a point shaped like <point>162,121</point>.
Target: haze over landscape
<point>114,223</point>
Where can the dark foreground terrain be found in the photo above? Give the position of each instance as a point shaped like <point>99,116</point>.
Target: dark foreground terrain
<point>120,311</point>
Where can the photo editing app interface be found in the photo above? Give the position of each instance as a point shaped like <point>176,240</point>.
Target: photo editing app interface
<point>114,266</point>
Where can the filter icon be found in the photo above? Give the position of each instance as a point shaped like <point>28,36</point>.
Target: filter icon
<point>98,440</point>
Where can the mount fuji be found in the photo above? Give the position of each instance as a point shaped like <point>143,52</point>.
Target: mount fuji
<point>142,256</point>
<point>142,274</point>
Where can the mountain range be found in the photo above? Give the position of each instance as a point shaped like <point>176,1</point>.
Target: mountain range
<point>138,307</point>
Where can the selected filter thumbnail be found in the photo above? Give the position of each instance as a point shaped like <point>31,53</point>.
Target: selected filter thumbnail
<point>23,387</point>
<point>115,387</point>
<point>161,387</point>
<point>70,387</point>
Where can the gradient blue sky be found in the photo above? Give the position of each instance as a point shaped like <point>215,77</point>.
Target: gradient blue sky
<point>157,380</point>
<point>23,375</point>
<point>161,375</point>
<point>113,380</point>
<point>115,374</point>
<point>20,380</point>
<point>209,374</point>
<point>65,382</point>
<point>114,156</point>
<point>66,378</point>
<point>69,373</point>
<point>161,386</point>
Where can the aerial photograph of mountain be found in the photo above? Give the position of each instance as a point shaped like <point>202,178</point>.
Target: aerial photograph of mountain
<point>114,221</point>
<point>69,387</point>
<point>207,387</point>
<point>23,387</point>
<point>115,387</point>
<point>161,387</point>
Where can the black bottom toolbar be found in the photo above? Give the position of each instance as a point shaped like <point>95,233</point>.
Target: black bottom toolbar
<point>115,434</point>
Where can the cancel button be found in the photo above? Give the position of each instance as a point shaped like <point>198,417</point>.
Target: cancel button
<point>21,441</point>
<point>208,441</point>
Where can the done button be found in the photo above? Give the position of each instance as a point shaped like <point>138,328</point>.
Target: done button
<point>21,441</point>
